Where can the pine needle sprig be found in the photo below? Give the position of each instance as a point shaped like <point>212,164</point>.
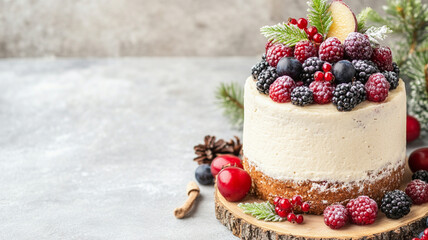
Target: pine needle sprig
<point>286,34</point>
<point>262,211</point>
<point>230,97</point>
<point>320,16</point>
<point>362,18</point>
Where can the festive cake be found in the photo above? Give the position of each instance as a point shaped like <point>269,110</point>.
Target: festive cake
<point>325,113</point>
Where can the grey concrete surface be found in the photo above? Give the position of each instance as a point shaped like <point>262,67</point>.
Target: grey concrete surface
<point>102,149</point>
<point>77,28</point>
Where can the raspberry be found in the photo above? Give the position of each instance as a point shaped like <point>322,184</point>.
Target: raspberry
<point>335,216</point>
<point>392,78</point>
<point>331,50</point>
<point>302,96</point>
<point>377,88</point>
<point>323,91</point>
<point>265,79</point>
<point>310,66</point>
<point>280,90</point>
<point>347,96</point>
<point>364,68</point>
<point>382,56</point>
<point>276,52</point>
<point>417,191</point>
<point>259,67</point>
<point>395,204</point>
<point>421,175</point>
<point>268,45</point>
<point>304,50</point>
<point>362,210</point>
<point>357,46</point>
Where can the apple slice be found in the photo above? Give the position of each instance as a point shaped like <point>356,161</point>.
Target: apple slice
<point>344,20</point>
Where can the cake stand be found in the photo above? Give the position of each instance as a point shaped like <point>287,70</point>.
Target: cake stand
<point>313,228</point>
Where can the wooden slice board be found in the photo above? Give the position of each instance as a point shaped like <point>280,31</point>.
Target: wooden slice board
<point>313,228</point>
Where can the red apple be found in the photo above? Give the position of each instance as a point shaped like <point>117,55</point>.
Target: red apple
<point>418,160</point>
<point>344,20</point>
<point>233,183</point>
<point>413,128</point>
<point>223,161</point>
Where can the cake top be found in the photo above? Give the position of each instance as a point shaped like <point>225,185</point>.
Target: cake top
<point>328,57</point>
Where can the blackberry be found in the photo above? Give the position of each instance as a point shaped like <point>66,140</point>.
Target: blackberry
<point>310,66</point>
<point>392,78</point>
<point>396,69</point>
<point>265,79</point>
<point>302,96</point>
<point>421,174</point>
<point>395,204</point>
<point>364,68</point>
<point>347,96</point>
<point>259,67</point>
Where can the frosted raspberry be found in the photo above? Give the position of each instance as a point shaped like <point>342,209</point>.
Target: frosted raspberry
<point>382,57</point>
<point>276,52</point>
<point>377,88</point>
<point>304,50</point>
<point>417,191</point>
<point>323,91</point>
<point>280,90</point>
<point>357,46</point>
<point>331,50</point>
<point>335,216</point>
<point>268,45</point>
<point>362,210</point>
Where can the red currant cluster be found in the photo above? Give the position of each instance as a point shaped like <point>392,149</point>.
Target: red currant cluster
<point>311,31</point>
<point>327,75</point>
<point>285,208</point>
<point>424,235</point>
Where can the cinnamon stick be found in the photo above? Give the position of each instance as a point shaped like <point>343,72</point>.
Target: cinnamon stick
<point>193,193</point>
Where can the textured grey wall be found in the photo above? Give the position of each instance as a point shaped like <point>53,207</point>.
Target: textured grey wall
<point>100,28</point>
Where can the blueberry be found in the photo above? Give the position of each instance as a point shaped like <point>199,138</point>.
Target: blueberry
<point>343,71</point>
<point>289,66</point>
<point>203,174</point>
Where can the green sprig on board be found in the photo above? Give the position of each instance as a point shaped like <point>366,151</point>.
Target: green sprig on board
<point>286,34</point>
<point>319,16</point>
<point>261,211</point>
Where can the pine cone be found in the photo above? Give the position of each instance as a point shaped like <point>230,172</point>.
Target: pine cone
<point>237,146</point>
<point>208,151</point>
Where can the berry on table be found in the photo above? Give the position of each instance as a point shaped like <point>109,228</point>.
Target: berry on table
<point>203,174</point>
<point>289,66</point>
<point>299,219</point>
<point>392,78</point>
<point>343,71</point>
<point>233,183</point>
<point>413,129</point>
<point>323,91</point>
<point>418,160</point>
<point>417,190</point>
<point>280,90</point>
<point>285,204</point>
<point>328,76</point>
<point>258,68</point>
<point>364,68</point>
<point>291,217</point>
<point>310,66</point>
<point>335,216</point>
<point>281,212</point>
<point>276,200</point>
<point>421,175</point>
<point>346,96</point>
<point>357,46</point>
<point>319,76</point>
<point>382,57</point>
<point>331,50</point>
<point>276,52</point>
<point>305,207</point>
<point>296,200</point>
<point>292,21</point>
<point>395,204</point>
<point>362,210</point>
<point>377,88</point>
<point>326,67</point>
<point>302,96</point>
<point>318,38</point>
<point>265,79</point>
<point>302,23</point>
<point>304,50</point>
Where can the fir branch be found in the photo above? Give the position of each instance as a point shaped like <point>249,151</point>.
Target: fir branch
<point>362,18</point>
<point>262,211</point>
<point>231,98</point>
<point>377,34</point>
<point>320,16</point>
<point>286,34</point>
